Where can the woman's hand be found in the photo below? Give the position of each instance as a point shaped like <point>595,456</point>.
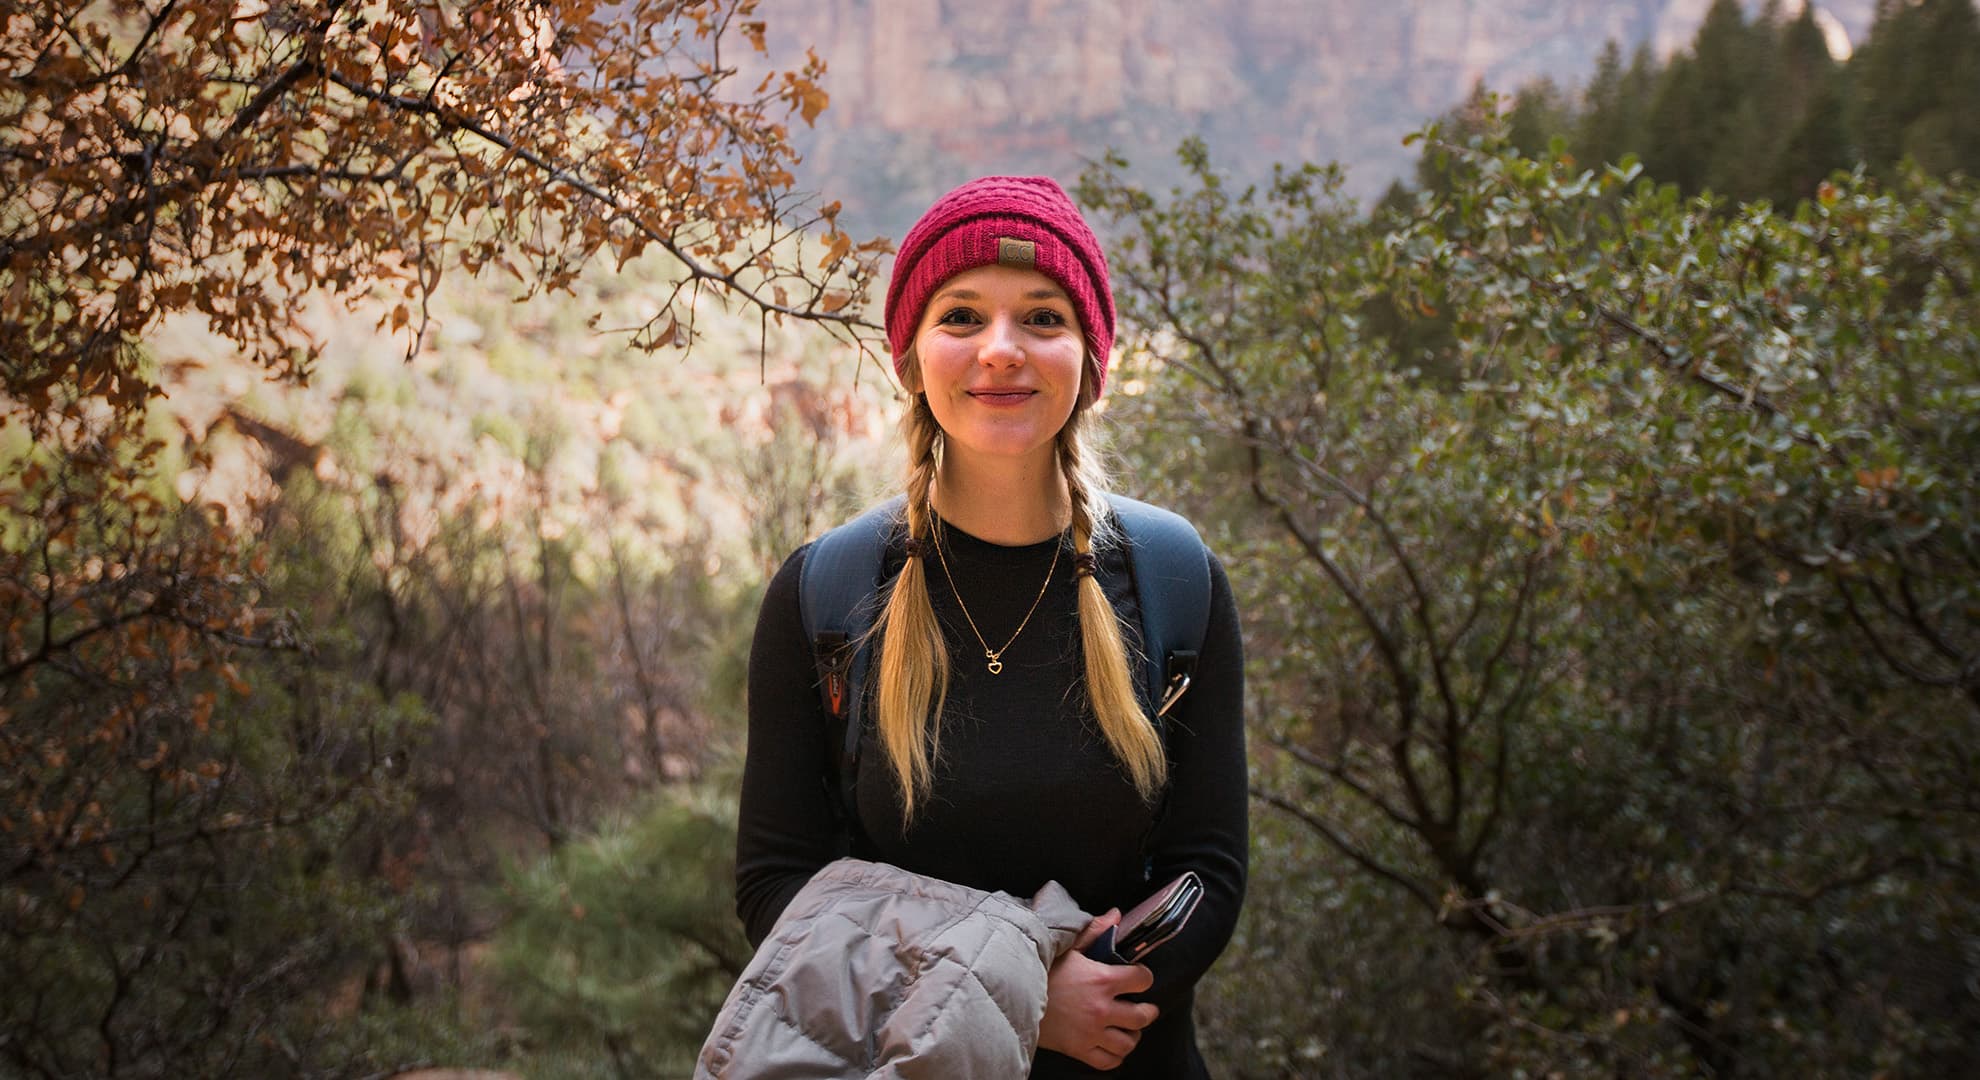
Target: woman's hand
<point>1084,1016</point>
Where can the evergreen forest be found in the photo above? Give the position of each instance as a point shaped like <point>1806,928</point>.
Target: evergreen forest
<point>1759,108</point>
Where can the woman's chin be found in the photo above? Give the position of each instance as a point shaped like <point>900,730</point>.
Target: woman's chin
<point>999,449</point>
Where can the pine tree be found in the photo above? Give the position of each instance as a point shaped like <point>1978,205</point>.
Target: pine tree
<point>1806,67</point>
<point>1676,144</point>
<point>1813,133</point>
<point>1539,112</point>
<point>1917,80</point>
<point>1816,147</point>
<point>1639,88</point>
<point>1946,135</point>
<point>1737,99</point>
<point>1884,90</point>
<point>1615,107</point>
<point>1598,134</point>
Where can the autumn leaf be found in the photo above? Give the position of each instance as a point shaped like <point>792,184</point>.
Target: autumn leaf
<point>841,244</point>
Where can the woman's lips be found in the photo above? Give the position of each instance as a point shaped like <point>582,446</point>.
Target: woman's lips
<point>1002,397</point>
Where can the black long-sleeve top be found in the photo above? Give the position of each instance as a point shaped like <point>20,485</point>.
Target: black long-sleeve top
<point>1025,788</point>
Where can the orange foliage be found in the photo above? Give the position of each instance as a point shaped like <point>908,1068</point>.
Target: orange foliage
<point>225,156</point>
<point>110,613</point>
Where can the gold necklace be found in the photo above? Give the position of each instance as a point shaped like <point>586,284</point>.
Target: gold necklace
<point>995,664</point>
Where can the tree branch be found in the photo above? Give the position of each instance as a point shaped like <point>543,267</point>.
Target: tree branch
<point>729,279</point>
<point>1421,893</point>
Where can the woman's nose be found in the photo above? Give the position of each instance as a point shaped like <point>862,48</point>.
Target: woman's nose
<point>1001,344</point>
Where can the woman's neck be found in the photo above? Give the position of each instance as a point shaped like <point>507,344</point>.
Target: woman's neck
<point>1022,504</point>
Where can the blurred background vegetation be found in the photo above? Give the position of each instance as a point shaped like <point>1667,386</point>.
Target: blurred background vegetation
<point>1601,505</point>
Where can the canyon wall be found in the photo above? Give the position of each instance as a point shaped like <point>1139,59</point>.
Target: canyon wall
<point>927,93</point>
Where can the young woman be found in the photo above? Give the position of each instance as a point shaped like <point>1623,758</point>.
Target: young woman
<point>1006,746</point>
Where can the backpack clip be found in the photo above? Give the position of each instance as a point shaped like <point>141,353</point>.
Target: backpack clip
<point>835,657</point>
<point>1180,668</point>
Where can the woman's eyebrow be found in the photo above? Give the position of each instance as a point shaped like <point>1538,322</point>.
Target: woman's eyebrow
<point>1049,292</point>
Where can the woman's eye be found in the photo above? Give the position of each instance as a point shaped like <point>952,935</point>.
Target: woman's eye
<point>958,317</point>
<point>1047,317</point>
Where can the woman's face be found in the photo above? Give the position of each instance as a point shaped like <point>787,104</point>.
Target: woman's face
<point>1000,355</point>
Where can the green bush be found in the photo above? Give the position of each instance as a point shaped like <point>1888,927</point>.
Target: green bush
<point>620,948</point>
<point>1615,676</point>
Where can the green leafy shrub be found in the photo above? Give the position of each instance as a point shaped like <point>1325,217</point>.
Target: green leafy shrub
<point>620,948</point>
<point>1614,676</point>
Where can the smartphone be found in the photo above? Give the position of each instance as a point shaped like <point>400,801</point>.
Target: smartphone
<point>1151,922</point>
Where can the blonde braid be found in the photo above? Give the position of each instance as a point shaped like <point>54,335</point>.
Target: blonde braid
<point>1109,678</point>
<point>914,661</point>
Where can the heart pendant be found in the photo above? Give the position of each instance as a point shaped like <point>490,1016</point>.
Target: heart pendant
<point>996,666</point>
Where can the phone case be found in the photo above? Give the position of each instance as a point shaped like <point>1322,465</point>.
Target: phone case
<point>1151,922</point>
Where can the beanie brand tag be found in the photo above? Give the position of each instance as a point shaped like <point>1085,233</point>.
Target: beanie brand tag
<point>1016,252</point>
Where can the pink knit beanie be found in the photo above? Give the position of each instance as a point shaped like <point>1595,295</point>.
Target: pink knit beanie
<point>1026,221</point>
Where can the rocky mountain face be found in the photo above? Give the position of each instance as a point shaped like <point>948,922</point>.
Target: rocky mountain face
<point>927,93</point>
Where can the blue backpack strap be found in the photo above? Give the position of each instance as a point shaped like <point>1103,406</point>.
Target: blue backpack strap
<point>839,594</point>
<point>1172,583</point>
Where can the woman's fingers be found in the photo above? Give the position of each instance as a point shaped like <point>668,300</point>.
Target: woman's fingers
<point>1112,1047</point>
<point>1085,1017</point>
<point>1131,1015</point>
<point>1131,978</point>
<point>1100,1059</point>
<point>1125,1015</point>
<point>1118,1041</point>
<point>1094,927</point>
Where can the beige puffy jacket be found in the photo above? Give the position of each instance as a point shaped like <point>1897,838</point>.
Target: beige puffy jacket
<point>873,971</point>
